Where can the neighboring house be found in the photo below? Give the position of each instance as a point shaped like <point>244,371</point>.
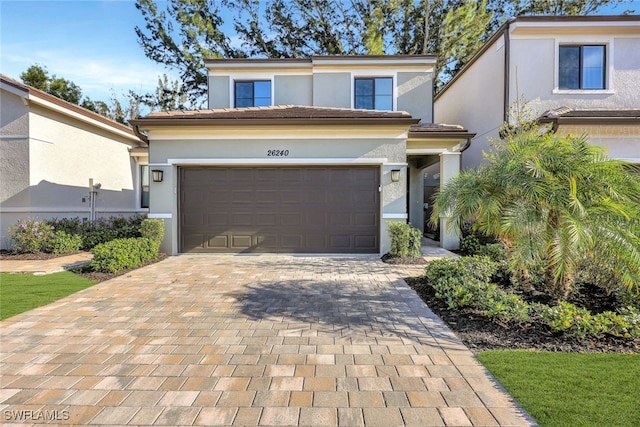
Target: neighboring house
<point>580,74</point>
<point>300,155</point>
<point>50,149</point>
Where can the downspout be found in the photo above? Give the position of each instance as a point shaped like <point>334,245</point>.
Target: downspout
<point>507,55</point>
<point>139,134</point>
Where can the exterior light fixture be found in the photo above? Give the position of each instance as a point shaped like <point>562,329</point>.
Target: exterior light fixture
<point>158,175</point>
<point>395,175</point>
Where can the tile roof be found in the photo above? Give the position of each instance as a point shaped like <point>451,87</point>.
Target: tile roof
<point>566,112</point>
<point>65,104</point>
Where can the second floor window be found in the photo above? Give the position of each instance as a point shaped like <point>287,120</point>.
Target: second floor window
<point>582,67</point>
<point>374,93</point>
<point>253,93</point>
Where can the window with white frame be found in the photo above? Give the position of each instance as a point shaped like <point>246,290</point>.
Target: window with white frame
<point>373,93</point>
<point>255,93</point>
<point>582,67</point>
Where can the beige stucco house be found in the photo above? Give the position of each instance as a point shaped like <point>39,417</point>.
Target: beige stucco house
<point>580,75</point>
<point>50,150</point>
<point>310,155</point>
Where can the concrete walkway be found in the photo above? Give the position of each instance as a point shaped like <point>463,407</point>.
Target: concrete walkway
<point>46,266</point>
<point>246,340</point>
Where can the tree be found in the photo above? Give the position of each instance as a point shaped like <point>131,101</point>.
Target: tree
<point>553,201</point>
<point>38,77</point>
<point>169,96</point>
<point>189,31</point>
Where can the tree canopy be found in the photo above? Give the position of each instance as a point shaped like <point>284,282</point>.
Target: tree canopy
<point>186,32</point>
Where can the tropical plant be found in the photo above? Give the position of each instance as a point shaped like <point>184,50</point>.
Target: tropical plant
<point>554,200</point>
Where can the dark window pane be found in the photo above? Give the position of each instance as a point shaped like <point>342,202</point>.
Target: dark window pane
<point>569,67</point>
<point>593,69</point>
<point>144,186</point>
<point>364,102</point>
<point>253,94</point>
<point>364,87</point>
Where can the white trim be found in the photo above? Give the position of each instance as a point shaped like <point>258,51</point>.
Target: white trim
<point>363,74</point>
<point>250,77</point>
<point>280,161</point>
<point>30,209</point>
<point>428,151</point>
<point>158,164</point>
<point>396,164</point>
<point>582,41</point>
<point>160,216</point>
<point>395,216</point>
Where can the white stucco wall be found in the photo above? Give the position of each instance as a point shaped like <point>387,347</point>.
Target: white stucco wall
<point>475,101</point>
<point>312,145</point>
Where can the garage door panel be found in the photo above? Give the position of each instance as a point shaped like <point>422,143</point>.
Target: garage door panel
<point>279,209</point>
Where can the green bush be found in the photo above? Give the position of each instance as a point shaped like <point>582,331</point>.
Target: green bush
<point>30,235</point>
<point>570,319</point>
<point>64,243</point>
<point>152,229</point>
<point>123,254</point>
<point>406,240</point>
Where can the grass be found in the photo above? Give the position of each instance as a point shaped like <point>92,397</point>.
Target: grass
<point>23,292</point>
<point>571,389</point>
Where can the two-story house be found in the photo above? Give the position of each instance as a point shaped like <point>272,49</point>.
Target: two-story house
<point>579,74</point>
<point>50,152</point>
<point>309,155</point>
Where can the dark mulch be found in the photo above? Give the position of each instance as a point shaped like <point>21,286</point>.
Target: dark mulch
<point>479,333</point>
<point>86,271</point>
<point>390,259</point>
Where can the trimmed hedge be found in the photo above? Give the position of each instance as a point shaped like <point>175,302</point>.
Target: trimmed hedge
<point>123,254</point>
<point>152,229</point>
<point>406,240</point>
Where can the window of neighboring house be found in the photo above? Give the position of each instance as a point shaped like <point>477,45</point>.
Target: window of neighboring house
<point>582,67</point>
<point>253,93</point>
<point>374,93</point>
<point>144,186</point>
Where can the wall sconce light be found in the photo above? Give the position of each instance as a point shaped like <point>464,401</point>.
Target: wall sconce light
<point>158,175</point>
<point>395,175</point>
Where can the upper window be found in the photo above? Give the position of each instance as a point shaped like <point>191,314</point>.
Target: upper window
<point>582,67</point>
<point>374,93</point>
<point>253,93</point>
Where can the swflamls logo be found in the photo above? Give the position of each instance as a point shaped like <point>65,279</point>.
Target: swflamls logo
<point>35,415</point>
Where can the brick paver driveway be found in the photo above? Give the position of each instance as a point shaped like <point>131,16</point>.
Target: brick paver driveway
<point>246,340</point>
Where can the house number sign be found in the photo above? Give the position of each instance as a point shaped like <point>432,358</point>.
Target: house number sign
<point>277,153</point>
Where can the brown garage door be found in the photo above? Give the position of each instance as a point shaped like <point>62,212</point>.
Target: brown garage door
<point>279,209</point>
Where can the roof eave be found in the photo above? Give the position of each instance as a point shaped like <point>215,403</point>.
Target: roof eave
<point>179,121</point>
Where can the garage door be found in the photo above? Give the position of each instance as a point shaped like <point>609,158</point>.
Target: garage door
<point>283,209</point>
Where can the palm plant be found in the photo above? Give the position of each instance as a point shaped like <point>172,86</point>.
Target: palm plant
<point>553,201</point>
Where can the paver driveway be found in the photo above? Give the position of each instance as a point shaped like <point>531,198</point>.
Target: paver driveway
<point>246,340</point>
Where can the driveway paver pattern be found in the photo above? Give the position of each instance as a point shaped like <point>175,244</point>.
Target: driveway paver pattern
<point>246,340</point>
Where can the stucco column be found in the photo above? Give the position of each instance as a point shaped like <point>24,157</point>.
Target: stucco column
<point>449,167</point>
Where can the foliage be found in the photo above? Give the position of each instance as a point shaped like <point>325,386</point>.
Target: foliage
<point>570,389</point>
<point>122,254</point>
<point>64,243</point>
<point>23,292</point>
<point>551,200</point>
<point>187,32</point>
<point>152,229</point>
<point>39,78</point>
<point>30,235</point>
<point>466,282</point>
<point>406,240</point>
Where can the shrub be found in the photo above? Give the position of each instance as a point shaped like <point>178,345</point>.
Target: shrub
<point>569,319</point>
<point>406,240</point>
<point>122,254</point>
<point>106,229</point>
<point>152,229</point>
<point>64,243</point>
<point>502,306</point>
<point>30,235</point>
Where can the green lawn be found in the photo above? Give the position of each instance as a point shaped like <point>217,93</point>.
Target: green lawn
<point>571,389</point>
<point>23,292</point>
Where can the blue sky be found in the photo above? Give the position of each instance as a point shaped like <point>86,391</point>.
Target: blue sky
<point>90,42</point>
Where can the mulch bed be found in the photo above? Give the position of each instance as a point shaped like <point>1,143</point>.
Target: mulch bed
<point>390,259</point>
<point>8,256</point>
<point>479,333</point>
